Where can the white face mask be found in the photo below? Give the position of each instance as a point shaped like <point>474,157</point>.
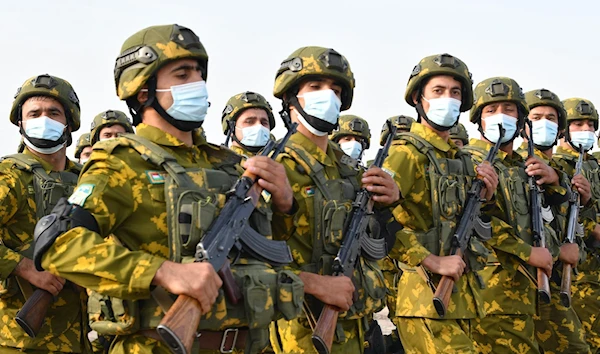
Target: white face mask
<point>190,101</point>
<point>323,105</point>
<point>46,129</point>
<point>492,130</point>
<point>584,138</point>
<point>352,148</point>
<point>254,136</point>
<point>443,111</point>
<point>544,132</point>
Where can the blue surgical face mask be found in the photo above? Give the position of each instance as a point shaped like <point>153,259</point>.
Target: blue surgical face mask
<point>352,148</point>
<point>190,101</point>
<point>584,138</point>
<point>443,111</point>
<point>492,131</point>
<point>544,132</point>
<point>255,136</point>
<point>322,104</point>
<point>44,128</point>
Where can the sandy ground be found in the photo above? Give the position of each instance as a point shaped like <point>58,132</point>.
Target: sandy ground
<point>384,322</point>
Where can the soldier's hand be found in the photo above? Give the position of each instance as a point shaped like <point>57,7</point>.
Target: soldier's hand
<point>541,258</point>
<point>43,280</point>
<point>382,185</point>
<point>198,280</point>
<point>487,173</point>
<point>335,291</point>
<point>583,186</point>
<point>451,266</point>
<point>537,167</point>
<point>273,179</point>
<point>569,254</point>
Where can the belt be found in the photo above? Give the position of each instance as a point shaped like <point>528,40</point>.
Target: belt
<point>223,341</point>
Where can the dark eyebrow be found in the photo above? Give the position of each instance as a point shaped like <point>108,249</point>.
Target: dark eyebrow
<point>186,67</point>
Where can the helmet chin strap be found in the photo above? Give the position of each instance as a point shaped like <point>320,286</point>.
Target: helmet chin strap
<point>421,113</point>
<point>317,123</point>
<point>153,102</point>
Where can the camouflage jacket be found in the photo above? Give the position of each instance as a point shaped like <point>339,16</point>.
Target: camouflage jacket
<point>410,169</point>
<point>126,196</point>
<point>61,331</point>
<point>241,151</point>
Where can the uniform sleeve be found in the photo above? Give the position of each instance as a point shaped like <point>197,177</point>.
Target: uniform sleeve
<point>85,257</point>
<point>11,197</point>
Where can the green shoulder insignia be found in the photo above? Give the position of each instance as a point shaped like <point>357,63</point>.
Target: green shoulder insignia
<point>80,194</point>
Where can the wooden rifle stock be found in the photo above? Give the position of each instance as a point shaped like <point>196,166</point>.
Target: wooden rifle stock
<point>441,298</point>
<point>543,286</point>
<point>32,314</point>
<point>565,286</point>
<point>178,327</point>
<point>325,329</point>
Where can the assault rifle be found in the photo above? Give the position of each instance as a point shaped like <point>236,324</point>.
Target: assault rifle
<point>355,244</point>
<point>470,222</point>
<point>537,221</point>
<point>230,230</point>
<point>572,225</point>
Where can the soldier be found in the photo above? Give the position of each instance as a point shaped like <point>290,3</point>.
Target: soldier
<point>352,135</point>
<point>439,87</point>
<point>509,295</point>
<point>459,135</point>
<point>83,150</point>
<point>46,110</point>
<point>315,84</point>
<point>247,119</point>
<point>139,188</point>
<point>582,122</point>
<point>109,124</point>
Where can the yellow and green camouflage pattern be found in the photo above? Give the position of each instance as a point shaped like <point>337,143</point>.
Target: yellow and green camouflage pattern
<point>440,64</point>
<point>50,86</point>
<point>581,108</point>
<point>498,89</point>
<point>505,334</point>
<point>82,143</point>
<point>459,132</point>
<point>543,97</point>
<point>424,335</point>
<point>349,124</point>
<point>402,123</point>
<point>148,50</point>
<point>126,195</point>
<point>241,102</point>
<point>308,62</point>
<point>60,332</point>
<point>106,119</point>
<point>314,251</point>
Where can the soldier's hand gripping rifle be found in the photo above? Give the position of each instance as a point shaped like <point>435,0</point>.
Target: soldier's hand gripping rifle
<point>537,221</point>
<point>229,230</point>
<point>470,222</point>
<point>355,244</point>
<point>572,226</point>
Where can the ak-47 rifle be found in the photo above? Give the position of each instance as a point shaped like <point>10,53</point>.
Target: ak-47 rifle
<point>32,314</point>
<point>229,230</point>
<point>537,221</point>
<point>354,245</point>
<point>470,222</point>
<point>572,226</point>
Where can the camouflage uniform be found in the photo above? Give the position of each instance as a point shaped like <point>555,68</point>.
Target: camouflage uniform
<point>324,184</point>
<point>23,201</point>
<point>418,160</point>
<point>557,328</point>
<point>586,285</point>
<point>510,294</point>
<point>108,119</point>
<point>351,125</point>
<point>235,106</point>
<point>125,188</point>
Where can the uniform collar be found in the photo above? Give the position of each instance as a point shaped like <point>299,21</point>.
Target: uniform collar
<point>45,164</point>
<point>324,158</point>
<point>432,137</point>
<point>163,138</point>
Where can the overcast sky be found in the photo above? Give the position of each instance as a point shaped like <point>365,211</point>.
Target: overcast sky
<point>550,44</point>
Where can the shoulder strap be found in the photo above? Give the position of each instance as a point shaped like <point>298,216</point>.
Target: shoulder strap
<point>349,168</point>
<point>29,164</point>
<point>316,171</point>
<point>223,158</point>
<point>156,155</point>
<point>423,146</point>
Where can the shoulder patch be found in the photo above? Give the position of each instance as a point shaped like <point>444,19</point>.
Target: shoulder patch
<point>80,194</point>
<point>155,177</point>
